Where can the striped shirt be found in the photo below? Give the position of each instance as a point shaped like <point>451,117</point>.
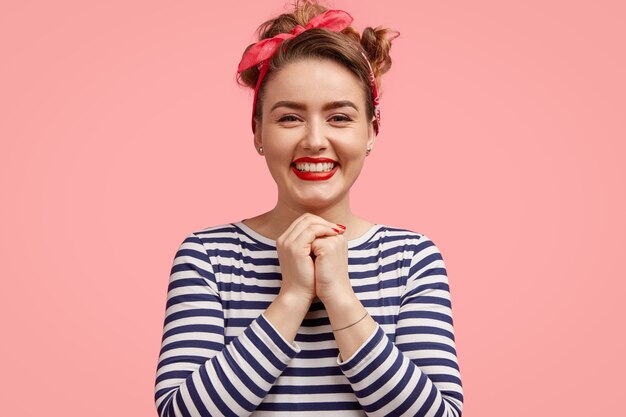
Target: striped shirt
<point>221,357</point>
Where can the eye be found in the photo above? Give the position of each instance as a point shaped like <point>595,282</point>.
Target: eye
<point>288,118</point>
<point>341,118</point>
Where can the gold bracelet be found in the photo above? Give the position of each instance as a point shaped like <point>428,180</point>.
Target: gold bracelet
<point>350,325</point>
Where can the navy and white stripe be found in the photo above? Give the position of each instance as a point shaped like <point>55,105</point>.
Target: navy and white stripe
<point>221,357</point>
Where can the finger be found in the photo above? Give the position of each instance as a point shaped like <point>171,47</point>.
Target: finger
<point>310,219</point>
<point>314,231</point>
<point>295,223</point>
<point>296,227</point>
<point>328,243</point>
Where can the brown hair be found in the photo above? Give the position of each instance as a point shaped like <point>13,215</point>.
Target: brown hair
<point>344,48</point>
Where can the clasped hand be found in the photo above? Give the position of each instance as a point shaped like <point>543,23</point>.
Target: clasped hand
<point>313,256</point>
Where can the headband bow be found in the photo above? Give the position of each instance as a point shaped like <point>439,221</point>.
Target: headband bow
<point>262,51</point>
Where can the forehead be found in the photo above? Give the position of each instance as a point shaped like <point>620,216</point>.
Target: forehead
<point>315,81</point>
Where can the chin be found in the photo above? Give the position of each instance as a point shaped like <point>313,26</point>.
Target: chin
<point>317,201</point>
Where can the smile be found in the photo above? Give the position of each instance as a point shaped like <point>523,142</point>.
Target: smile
<point>314,169</point>
<point>310,167</point>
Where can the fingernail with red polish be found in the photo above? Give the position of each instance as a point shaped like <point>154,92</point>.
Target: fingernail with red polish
<point>337,230</point>
<point>342,226</point>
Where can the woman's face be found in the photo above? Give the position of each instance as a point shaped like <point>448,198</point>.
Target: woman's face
<point>314,132</point>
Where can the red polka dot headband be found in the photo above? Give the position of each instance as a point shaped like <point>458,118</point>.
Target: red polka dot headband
<point>261,52</point>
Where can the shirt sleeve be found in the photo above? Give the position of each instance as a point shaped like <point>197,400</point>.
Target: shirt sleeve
<point>197,375</point>
<point>418,375</point>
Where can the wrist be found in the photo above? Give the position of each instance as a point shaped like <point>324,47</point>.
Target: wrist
<point>351,324</point>
<point>343,311</point>
<point>286,313</point>
<point>339,298</point>
<point>298,303</point>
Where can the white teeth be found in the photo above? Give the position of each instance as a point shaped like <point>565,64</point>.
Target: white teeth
<point>311,167</point>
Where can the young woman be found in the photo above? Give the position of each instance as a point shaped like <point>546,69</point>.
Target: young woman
<point>309,308</point>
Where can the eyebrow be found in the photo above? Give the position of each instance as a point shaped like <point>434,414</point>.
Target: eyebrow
<point>328,106</point>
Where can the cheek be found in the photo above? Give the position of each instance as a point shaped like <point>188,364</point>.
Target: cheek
<point>354,151</point>
<point>273,161</point>
<point>354,162</point>
<point>278,160</point>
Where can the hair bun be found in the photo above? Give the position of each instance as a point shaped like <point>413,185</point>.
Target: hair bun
<point>377,45</point>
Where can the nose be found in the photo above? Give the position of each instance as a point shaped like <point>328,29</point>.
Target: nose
<point>315,139</point>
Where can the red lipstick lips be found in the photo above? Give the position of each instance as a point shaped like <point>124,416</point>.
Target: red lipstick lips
<point>314,176</point>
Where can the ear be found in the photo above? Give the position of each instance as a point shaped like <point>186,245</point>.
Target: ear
<point>371,134</point>
<point>258,142</point>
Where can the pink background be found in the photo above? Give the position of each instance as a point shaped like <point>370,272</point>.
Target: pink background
<point>503,139</point>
